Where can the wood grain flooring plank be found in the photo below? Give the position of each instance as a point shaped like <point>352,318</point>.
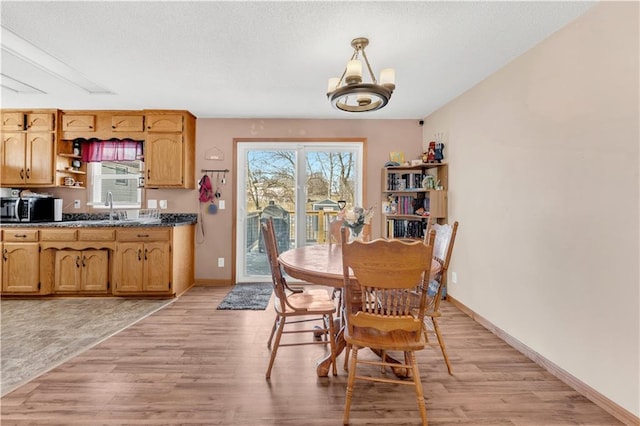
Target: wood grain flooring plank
<point>190,364</point>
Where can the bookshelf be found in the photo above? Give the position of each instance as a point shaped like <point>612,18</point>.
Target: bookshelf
<point>411,196</point>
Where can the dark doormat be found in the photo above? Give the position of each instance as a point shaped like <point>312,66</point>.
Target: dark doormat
<point>252,296</point>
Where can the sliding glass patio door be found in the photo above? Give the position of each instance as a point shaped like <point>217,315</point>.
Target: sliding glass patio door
<point>298,185</point>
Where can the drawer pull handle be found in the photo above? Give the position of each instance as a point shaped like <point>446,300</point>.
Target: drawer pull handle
<point>28,173</point>
<point>77,261</point>
<point>21,173</point>
<point>143,235</point>
<point>4,255</point>
<point>139,254</point>
<point>145,254</point>
<point>19,235</point>
<point>84,258</point>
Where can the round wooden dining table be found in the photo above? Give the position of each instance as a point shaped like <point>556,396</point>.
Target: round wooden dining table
<point>322,264</point>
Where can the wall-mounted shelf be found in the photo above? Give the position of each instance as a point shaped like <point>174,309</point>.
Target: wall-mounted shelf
<point>72,171</point>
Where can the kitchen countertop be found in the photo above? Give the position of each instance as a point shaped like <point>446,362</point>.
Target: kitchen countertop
<point>76,220</point>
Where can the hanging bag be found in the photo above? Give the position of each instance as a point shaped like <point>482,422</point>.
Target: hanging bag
<point>206,190</point>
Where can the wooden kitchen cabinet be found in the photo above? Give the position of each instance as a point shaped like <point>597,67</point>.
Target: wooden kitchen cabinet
<point>20,262</point>
<point>127,123</point>
<point>169,148</point>
<point>15,121</point>
<point>81,271</point>
<point>143,261</point>
<point>28,148</point>
<point>78,122</point>
<point>153,261</point>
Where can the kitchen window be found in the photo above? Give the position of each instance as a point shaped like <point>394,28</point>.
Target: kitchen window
<point>121,178</point>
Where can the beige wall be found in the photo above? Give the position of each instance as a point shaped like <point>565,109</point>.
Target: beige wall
<point>382,136</point>
<point>544,181</point>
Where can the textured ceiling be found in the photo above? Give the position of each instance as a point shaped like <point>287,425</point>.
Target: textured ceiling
<point>267,59</point>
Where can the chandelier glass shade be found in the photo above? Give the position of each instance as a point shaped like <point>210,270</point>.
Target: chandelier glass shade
<point>349,92</point>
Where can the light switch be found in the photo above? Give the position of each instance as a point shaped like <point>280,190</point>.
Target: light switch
<point>152,204</point>
<point>163,204</point>
<point>221,204</point>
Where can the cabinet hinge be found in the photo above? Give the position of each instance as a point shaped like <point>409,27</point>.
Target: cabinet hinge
<point>169,285</point>
<point>39,249</point>
<point>108,285</point>
<point>39,286</point>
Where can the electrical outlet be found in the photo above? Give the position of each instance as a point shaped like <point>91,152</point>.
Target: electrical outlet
<point>76,204</point>
<point>454,277</point>
<point>221,262</point>
<point>163,204</point>
<point>221,204</point>
<point>152,204</point>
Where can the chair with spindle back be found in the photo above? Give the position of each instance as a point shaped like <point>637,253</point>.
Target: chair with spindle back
<point>380,310</point>
<point>305,306</point>
<point>445,236</point>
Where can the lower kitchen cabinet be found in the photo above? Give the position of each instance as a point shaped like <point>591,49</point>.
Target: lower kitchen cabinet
<point>21,262</point>
<point>81,271</point>
<point>21,268</point>
<point>100,261</point>
<point>143,267</point>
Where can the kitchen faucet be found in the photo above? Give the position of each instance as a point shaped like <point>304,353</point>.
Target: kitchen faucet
<point>109,203</point>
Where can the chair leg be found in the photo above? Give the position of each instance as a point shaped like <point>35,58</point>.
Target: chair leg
<point>273,330</point>
<point>347,349</point>
<point>350,383</point>
<point>274,350</point>
<point>410,356</point>
<point>332,344</point>
<point>442,346</point>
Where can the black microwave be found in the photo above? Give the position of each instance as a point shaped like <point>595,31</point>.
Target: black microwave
<point>35,209</point>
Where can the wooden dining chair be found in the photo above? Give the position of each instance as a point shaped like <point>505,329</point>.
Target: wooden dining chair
<point>445,236</point>
<point>302,306</point>
<point>380,283</point>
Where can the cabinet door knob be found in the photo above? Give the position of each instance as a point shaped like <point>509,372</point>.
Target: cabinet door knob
<point>145,254</point>
<point>28,173</point>
<point>22,174</point>
<point>139,254</point>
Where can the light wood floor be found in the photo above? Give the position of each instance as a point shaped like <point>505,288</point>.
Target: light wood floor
<point>192,364</point>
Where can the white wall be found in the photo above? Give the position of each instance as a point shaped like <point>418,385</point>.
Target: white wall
<point>544,181</point>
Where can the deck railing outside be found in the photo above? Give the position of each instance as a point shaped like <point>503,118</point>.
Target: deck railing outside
<point>315,227</point>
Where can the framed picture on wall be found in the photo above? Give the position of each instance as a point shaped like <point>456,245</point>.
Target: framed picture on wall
<point>396,156</point>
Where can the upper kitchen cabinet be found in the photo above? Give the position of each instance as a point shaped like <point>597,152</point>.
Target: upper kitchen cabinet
<point>27,156</point>
<point>78,122</point>
<point>169,149</point>
<point>104,124</point>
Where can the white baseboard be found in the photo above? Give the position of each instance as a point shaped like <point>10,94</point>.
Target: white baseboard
<point>587,391</point>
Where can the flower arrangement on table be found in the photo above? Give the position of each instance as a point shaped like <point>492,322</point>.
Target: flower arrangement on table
<point>356,218</point>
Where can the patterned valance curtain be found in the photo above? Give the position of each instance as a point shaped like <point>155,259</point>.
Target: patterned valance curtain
<point>96,150</point>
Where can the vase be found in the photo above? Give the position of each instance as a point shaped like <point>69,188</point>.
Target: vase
<point>355,234</point>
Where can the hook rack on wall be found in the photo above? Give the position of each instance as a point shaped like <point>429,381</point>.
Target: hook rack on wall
<point>223,171</point>
<point>214,170</point>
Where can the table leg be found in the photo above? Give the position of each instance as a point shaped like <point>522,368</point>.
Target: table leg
<point>323,366</point>
<point>400,372</point>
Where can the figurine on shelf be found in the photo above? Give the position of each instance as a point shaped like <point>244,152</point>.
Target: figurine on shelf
<point>438,154</point>
<point>76,148</point>
<point>431,152</point>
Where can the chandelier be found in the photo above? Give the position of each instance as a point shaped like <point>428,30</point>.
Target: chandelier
<point>349,93</point>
